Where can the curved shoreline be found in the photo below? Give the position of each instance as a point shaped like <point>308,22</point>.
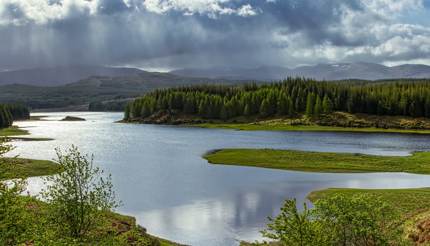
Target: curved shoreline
<point>326,162</point>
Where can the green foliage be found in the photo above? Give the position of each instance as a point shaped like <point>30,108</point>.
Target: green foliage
<point>293,227</point>
<point>12,213</point>
<point>289,97</point>
<point>310,102</point>
<point>357,220</point>
<point>11,112</point>
<point>327,105</point>
<point>79,193</point>
<point>337,220</point>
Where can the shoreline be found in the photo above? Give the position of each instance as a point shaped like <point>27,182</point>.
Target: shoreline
<point>305,128</point>
<point>23,168</point>
<point>16,133</point>
<point>334,122</point>
<point>320,162</point>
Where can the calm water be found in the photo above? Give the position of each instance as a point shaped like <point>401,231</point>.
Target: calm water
<point>162,180</point>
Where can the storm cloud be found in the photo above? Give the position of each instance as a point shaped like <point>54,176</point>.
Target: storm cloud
<point>164,34</point>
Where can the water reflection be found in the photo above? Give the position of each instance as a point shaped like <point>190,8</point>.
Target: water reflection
<point>162,180</point>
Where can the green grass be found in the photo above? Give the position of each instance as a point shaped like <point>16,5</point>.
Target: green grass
<point>408,201</point>
<point>412,205</point>
<point>418,162</point>
<point>111,229</point>
<point>12,131</point>
<point>311,128</point>
<point>23,168</point>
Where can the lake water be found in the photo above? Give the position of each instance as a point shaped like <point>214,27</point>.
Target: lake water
<point>163,181</point>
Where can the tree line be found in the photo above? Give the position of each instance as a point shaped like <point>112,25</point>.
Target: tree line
<point>291,97</point>
<point>11,112</point>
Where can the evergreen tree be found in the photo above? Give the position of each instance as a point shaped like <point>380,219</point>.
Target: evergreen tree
<point>265,108</point>
<point>310,102</point>
<point>318,106</point>
<point>327,105</point>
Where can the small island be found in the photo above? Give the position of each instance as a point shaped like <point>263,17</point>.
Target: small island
<point>72,118</point>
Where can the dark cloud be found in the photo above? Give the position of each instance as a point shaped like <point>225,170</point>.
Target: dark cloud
<point>282,32</point>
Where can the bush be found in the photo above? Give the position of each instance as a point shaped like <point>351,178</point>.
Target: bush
<point>79,194</point>
<point>338,220</point>
<point>12,212</point>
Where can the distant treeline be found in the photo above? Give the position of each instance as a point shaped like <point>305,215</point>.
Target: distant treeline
<point>114,106</point>
<point>288,98</point>
<point>11,112</point>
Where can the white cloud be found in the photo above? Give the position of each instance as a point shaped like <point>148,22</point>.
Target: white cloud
<point>212,8</point>
<point>371,34</point>
<point>390,7</point>
<point>18,12</point>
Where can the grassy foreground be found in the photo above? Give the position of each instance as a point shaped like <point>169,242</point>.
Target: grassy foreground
<point>114,229</point>
<point>418,162</point>
<point>310,128</point>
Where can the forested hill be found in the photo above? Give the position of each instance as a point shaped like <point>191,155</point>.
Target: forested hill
<point>288,98</point>
<point>11,112</point>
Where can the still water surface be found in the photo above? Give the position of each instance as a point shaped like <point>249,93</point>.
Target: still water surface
<point>162,180</point>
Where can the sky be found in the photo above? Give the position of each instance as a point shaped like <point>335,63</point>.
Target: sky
<point>168,34</point>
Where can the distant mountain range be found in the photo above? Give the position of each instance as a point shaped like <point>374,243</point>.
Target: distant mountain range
<point>74,88</point>
<point>339,71</point>
<point>94,89</point>
<point>58,76</point>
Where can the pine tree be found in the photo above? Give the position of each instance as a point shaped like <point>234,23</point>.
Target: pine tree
<point>318,106</point>
<point>283,105</point>
<point>327,105</point>
<point>265,109</point>
<point>310,102</point>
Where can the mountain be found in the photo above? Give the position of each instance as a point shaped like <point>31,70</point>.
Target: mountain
<point>337,71</point>
<point>260,73</point>
<point>95,89</point>
<point>56,76</point>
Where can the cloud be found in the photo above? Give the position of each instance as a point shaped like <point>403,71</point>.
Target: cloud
<point>190,33</point>
<point>18,12</point>
<point>211,8</point>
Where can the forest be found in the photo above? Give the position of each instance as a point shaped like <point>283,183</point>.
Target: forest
<point>11,112</point>
<point>291,97</point>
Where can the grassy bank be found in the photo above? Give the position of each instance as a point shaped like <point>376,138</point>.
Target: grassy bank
<point>112,229</point>
<point>418,162</point>
<point>12,131</point>
<point>408,201</point>
<point>16,133</point>
<point>24,168</point>
<point>333,122</point>
<point>265,126</point>
<point>412,204</point>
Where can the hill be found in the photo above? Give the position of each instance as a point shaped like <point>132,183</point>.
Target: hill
<point>337,71</point>
<point>95,89</point>
<point>56,76</point>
